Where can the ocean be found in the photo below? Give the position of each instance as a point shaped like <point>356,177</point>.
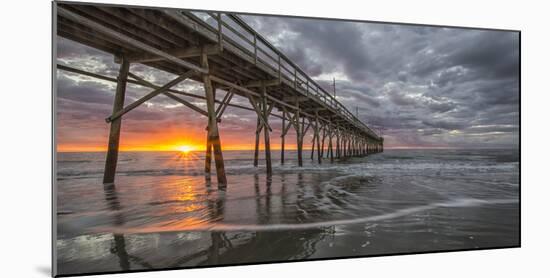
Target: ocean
<point>163,212</point>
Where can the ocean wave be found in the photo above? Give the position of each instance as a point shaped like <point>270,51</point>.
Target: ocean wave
<point>231,227</point>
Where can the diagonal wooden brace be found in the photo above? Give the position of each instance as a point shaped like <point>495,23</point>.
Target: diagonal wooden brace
<point>168,94</point>
<point>150,95</point>
<point>259,112</point>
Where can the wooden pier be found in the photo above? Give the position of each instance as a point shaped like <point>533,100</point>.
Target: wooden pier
<point>223,53</point>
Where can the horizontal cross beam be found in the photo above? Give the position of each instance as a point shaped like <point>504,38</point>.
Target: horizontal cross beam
<point>259,83</point>
<point>295,99</point>
<point>188,52</point>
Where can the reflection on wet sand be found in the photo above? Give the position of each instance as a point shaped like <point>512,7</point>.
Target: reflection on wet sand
<point>212,247</point>
<point>119,246</point>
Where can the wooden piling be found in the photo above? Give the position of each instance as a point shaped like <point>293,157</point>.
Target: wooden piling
<point>257,142</point>
<point>267,147</point>
<point>213,134</point>
<point>319,157</point>
<point>337,143</point>
<point>208,156</point>
<point>344,145</point>
<point>349,146</point>
<point>323,142</point>
<point>283,139</point>
<point>330,147</point>
<point>312,146</point>
<point>114,133</point>
<point>299,136</point>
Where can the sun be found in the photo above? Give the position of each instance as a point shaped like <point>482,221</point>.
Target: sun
<point>184,149</point>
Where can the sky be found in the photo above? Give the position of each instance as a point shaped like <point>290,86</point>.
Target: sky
<point>421,87</point>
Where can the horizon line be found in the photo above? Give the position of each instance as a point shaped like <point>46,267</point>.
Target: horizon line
<point>278,149</point>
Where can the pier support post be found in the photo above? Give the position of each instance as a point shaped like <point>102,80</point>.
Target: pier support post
<point>208,156</point>
<point>352,145</point>
<point>345,150</point>
<point>213,134</point>
<point>259,127</point>
<point>329,142</point>
<point>283,139</point>
<point>319,157</point>
<point>349,145</point>
<point>300,140</point>
<point>267,147</point>
<point>323,141</point>
<point>337,143</point>
<point>313,145</point>
<point>330,147</point>
<point>344,145</point>
<point>114,133</point>
<point>299,133</point>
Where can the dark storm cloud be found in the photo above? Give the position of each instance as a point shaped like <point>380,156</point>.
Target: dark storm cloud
<point>425,86</point>
<point>490,53</point>
<point>444,124</point>
<point>328,42</point>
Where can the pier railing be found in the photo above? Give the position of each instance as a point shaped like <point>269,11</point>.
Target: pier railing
<point>229,28</point>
